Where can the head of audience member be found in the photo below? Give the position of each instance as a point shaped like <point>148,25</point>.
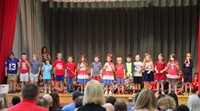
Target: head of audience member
<point>11,55</point>
<point>146,100</point>
<point>182,108</point>
<point>173,95</point>
<point>31,92</point>
<point>16,100</point>
<point>93,93</point>
<point>193,103</point>
<point>76,94</point>
<point>120,106</point>
<point>78,102</point>
<point>43,102</point>
<point>3,101</point>
<point>49,99</point>
<point>56,100</point>
<point>109,107</point>
<point>111,99</point>
<point>166,103</point>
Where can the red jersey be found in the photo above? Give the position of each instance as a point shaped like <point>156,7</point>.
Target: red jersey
<point>59,67</point>
<point>120,70</point>
<point>172,68</point>
<point>71,67</point>
<point>24,66</point>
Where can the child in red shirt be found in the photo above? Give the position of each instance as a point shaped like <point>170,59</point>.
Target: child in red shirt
<point>195,83</point>
<point>24,69</point>
<point>70,73</point>
<point>59,71</point>
<point>120,71</point>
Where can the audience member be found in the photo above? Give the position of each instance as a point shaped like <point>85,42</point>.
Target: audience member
<point>194,103</point>
<point>166,103</point>
<point>120,106</point>
<point>16,100</point>
<point>111,99</point>
<point>182,108</point>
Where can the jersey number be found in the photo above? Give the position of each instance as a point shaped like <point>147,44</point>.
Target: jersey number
<point>12,66</point>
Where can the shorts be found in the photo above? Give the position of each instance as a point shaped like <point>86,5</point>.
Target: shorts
<point>59,78</point>
<point>82,81</point>
<point>24,77</point>
<point>106,81</point>
<point>12,77</point>
<point>34,77</point>
<point>188,78</point>
<point>137,80</point>
<point>159,80</point>
<point>97,78</point>
<point>120,81</point>
<point>47,81</point>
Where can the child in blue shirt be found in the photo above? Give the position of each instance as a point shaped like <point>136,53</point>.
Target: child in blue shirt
<point>47,76</point>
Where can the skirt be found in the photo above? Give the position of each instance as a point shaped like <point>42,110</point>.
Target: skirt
<point>148,77</point>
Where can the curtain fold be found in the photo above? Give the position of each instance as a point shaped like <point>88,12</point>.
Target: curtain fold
<point>199,56</point>
<point>8,13</point>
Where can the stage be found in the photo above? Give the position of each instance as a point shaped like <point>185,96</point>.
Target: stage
<point>67,98</point>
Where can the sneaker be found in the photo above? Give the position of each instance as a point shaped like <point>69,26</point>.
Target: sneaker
<point>45,92</point>
<point>106,92</point>
<point>14,91</point>
<point>9,91</point>
<point>163,92</point>
<point>110,92</point>
<point>49,91</point>
<point>157,93</point>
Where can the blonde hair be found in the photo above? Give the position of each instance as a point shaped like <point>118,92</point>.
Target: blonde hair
<point>188,54</point>
<point>146,100</point>
<point>93,93</point>
<point>168,102</point>
<point>34,55</point>
<point>193,103</point>
<point>119,58</point>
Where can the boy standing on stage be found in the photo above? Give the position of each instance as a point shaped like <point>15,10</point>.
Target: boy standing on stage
<point>11,70</point>
<point>59,71</point>
<point>96,69</point>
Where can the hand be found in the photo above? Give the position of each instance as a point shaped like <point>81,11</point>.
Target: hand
<point>157,71</point>
<point>148,72</point>
<point>161,71</point>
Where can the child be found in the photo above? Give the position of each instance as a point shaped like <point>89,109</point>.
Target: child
<point>137,73</point>
<point>71,73</point>
<point>108,76</point>
<point>187,71</point>
<point>195,83</point>
<point>82,72</point>
<point>47,76</point>
<point>180,86</point>
<point>11,70</point>
<point>59,71</point>
<point>160,77</point>
<point>120,71</point>
<point>129,67</point>
<point>96,69</point>
<point>24,69</point>
<point>148,75</point>
<point>41,83</point>
<point>34,69</point>
<point>172,75</point>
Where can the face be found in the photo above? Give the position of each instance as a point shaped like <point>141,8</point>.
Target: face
<point>47,62</point>
<point>128,59</point>
<point>109,59</point>
<point>180,73</point>
<point>196,76</point>
<point>137,58</point>
<point>96,59</point>
<point>160,58</point>
<point>188,57</point>
<point>147,58</point>
<point>59,56</point>
<point>119,61</point>
<point>12,56</point>
<point>82,59</point>
<point>172,58</point>
<point>70,59</point>
<point>24,57</point>
<point>34,58</point>
<point>45,50</point>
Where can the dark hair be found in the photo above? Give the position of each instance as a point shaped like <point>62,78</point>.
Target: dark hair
<point>97,56</point>
<point>120,106</point>
<point>16,100</point>
<point>173,95</point>
<point>30,91</point>
<point>43,102</point>
<point>47,60</point>
<point>23,53</point>
<point>182,108</point>
<point>111,99</point>
<point>11,53</point>
<point>79,102</point>
<point>129,56</point>
<point>56,100</point>
<point>44,47</point>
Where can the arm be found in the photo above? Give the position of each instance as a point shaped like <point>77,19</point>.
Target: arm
<point>6,68</point>
<point>91,71</point>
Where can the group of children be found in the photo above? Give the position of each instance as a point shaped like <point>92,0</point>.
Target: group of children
<point>140,72</point>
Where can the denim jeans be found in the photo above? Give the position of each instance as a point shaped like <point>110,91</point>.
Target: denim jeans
<point>70,84</point>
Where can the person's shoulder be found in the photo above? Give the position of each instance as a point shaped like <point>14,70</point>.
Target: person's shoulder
<point>68,106</point>
<point>39,108</point>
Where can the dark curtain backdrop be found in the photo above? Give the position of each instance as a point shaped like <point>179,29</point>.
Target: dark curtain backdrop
<point>121,31</point>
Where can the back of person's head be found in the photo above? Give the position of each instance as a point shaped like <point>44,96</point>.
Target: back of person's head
<point>56,100</point>
<point>93,93</point>
<point>120,106</point>
<point>3,101</point>
<point>173,95</point>
<point>109,107</point>
<point>48,98</point>
<point>166,103</point>
<point>182,108</point>
<point>16,100</point>
<point>30,91</point>
<point>111,99</point>
<point>76,94</point>
<point>194,103</point>
<point>43,102</point>
<point>79,102</point>
<point>146,100</point>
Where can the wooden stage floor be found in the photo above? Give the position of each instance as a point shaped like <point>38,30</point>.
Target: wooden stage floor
<point>67,98</point>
